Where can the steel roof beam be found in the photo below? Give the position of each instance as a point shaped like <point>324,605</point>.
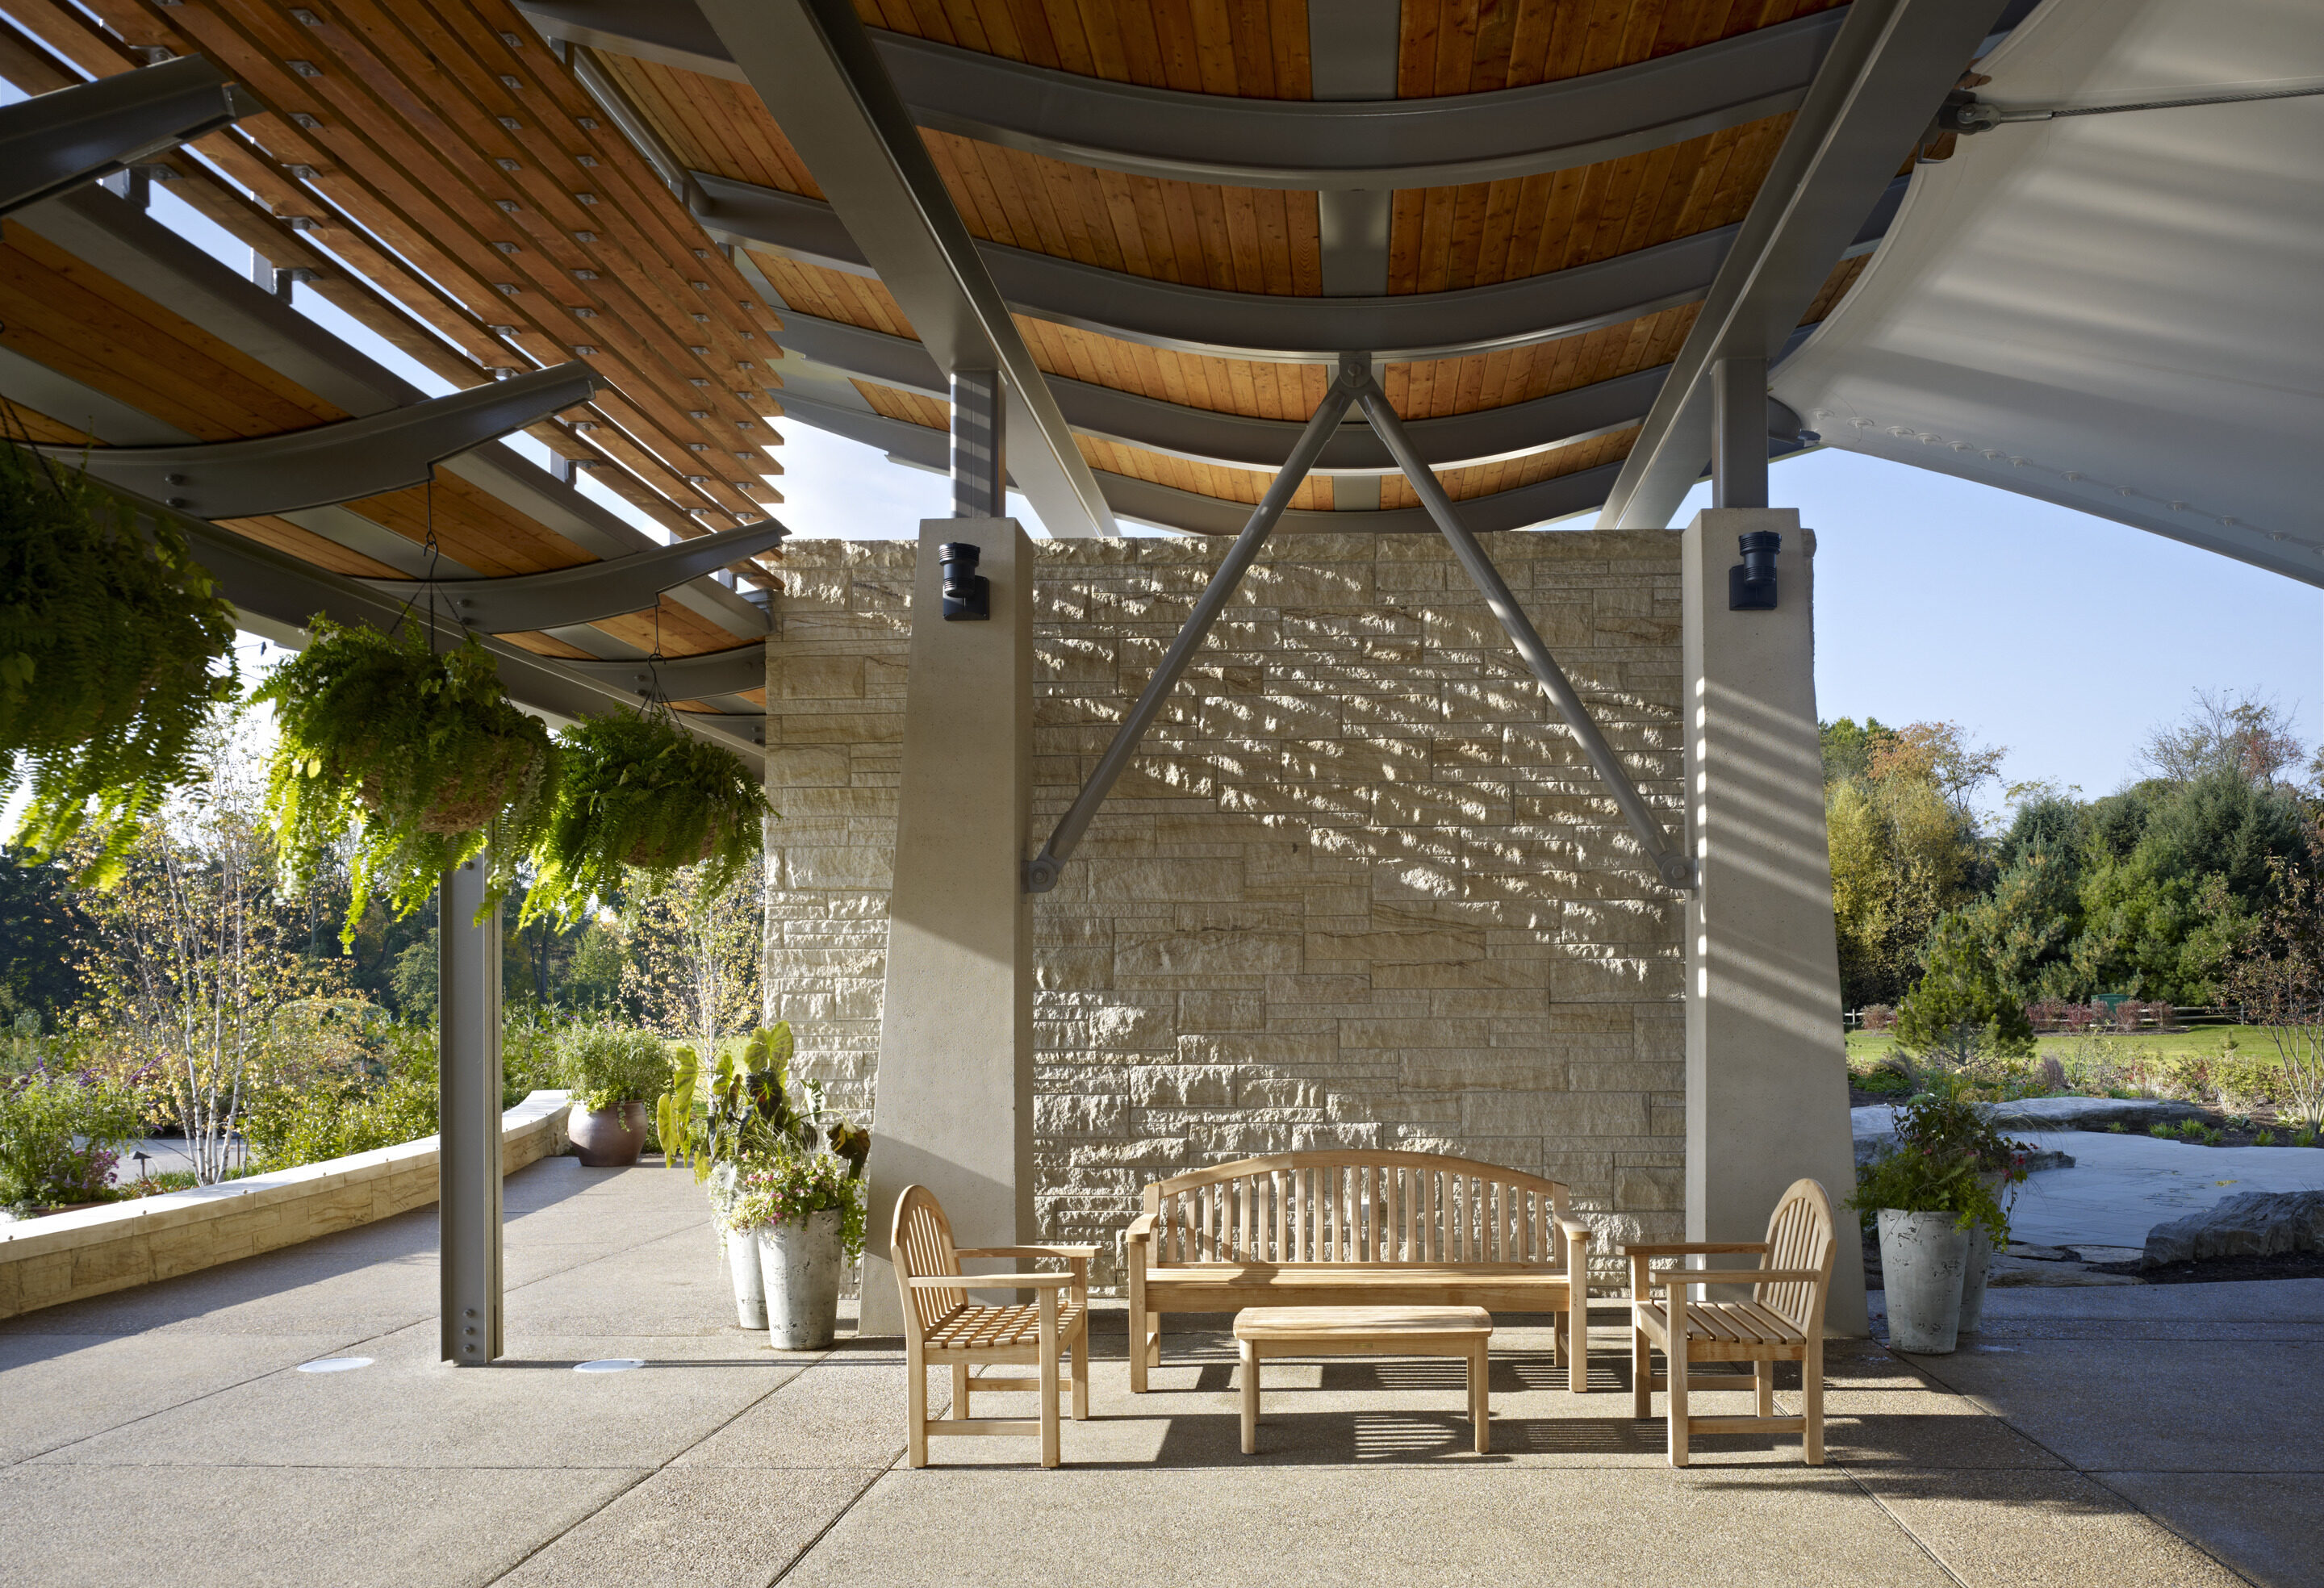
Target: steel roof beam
<point>338,462</point>
<point>516,603</point>
<point>56,141</point>
<point>1235,441</point>
<point>1322,144</point>
<point>1290,329</point>
<point>1887,73</point>
<point>815,66</point>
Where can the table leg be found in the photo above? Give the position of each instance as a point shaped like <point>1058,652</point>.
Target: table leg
<point>1480,1410</point>
<point>1249,1397</point>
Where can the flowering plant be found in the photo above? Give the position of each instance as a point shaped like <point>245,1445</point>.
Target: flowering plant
<point>787,1185</point>
<point>1948,1159</point>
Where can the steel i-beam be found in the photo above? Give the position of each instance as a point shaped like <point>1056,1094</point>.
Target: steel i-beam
<point>1670,860</point>
<point>469,1150</point>
<point>56,141</point>
<point>1042,871</point>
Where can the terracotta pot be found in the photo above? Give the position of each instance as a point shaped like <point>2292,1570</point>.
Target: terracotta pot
<point>609,1137</point>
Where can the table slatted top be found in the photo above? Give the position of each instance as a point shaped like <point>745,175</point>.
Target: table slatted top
<point>1340,1323</point>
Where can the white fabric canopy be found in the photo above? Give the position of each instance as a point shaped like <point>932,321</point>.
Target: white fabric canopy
<point>2123,313</point>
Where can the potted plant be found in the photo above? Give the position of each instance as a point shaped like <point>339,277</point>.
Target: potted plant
<point>115,645</point>
<point>749,1120</point>
<point>636,791</point>
<point>1937,1200</point>
<point>419,756</point>
<point>612,1070</point>
<point>803,1207</point>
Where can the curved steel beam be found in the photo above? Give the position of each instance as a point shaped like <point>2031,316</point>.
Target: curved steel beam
<point>1234,440</point>
<point>341,462</point>
<point>515,603</point>
<point>1290,329</point>
<point>1309,144</point>
<point>56,141</point>
<point>688,678</point>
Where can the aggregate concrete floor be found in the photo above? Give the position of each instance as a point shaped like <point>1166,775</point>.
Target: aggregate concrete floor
<point>2145,1435</point>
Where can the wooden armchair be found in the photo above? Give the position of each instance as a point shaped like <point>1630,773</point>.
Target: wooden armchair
<point>941,1325</point>
<point>1781,1322</point>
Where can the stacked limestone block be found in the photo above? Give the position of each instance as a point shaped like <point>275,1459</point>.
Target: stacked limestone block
<point>1360,890</point>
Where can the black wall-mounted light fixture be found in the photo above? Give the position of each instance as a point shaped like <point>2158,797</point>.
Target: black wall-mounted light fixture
<point>1751,583</point>
<point>967,594</point>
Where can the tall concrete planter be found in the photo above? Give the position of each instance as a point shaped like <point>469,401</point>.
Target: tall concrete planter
<point>1923,1262</point>
<point>800,1263</point>
<point>1973,1279</point>
<point>748,1273</point>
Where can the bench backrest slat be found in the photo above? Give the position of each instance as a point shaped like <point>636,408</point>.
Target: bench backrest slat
<point>1358,1207</point>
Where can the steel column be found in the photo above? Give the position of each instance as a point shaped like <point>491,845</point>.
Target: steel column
<point>1042,871</point>
<point>1739,432</point>
<point>469,1153</point>
<point>1669,859</point>
<point>979,431</point>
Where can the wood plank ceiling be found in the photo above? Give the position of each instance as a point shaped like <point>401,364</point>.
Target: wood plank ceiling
<point>1267,241</point>
<point>450,185</point>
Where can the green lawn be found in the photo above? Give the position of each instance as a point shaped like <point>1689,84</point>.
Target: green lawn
<point>1865,1050</point>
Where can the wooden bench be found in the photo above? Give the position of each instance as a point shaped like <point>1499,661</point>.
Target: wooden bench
<point>1366,1331</point>
<point>1357,1229</point>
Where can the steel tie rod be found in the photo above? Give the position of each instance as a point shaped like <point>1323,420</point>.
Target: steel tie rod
<point>1042,871</point>
<point>1669,860</point>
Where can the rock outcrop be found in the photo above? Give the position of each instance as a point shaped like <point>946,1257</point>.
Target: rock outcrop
<point>2257,1224</point>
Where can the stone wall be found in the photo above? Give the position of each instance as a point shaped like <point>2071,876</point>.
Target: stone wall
<point>1357,891</point>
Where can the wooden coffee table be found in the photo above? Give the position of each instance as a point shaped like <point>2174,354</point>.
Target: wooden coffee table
<point>1364,1331</point>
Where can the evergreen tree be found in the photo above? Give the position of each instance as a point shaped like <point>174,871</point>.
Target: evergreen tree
<point>1959,1012</point>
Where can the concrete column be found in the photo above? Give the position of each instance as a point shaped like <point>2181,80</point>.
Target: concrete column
<point>954,1108</point>
<point>1766,1071</point>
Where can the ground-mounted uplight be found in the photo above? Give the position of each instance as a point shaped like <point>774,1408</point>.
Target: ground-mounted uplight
<point>610,1364</point>
<point>334,1364</point>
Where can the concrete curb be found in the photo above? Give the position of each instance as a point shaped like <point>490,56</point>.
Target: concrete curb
<point>68,1256</point>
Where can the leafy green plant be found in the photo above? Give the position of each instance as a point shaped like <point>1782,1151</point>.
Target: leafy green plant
<point>2161,1133</point>
<point>2116,1128</point>
<point>2303,1138</point>
<point>111,637</point>
<point>638,791</point>
<point>1948,1159</point>
<point>2212,1137</point>
<point>790,1184</point>
<point>289,1126</point>
<point>607,1064</point>
<point>2264,1139</point>
<point>61,1136</point>
<point>2190,1129</point>
<point>420,758</point>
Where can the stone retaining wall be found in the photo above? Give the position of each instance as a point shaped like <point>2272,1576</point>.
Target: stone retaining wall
<point>69,1256</point>
<point>1358,891</point>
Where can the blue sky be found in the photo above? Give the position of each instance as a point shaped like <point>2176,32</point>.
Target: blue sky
<point>2065,637</point>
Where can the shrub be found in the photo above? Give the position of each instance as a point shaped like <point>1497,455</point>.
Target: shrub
<point>292,1126</point>
<point>2053,1075</point>
<point>1958,1014</point>
<point>2159,1132</point>
<point>2189,1077</point>
<point>59,1137</point>
<point>2264,1139</point>
<point>1877,1017</point>
<point>605,1065</point>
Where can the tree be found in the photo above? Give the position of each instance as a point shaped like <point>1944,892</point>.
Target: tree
<point>2275,976</point>
<point>194,952</point>
<point>1958,1011</point>
<point>1942,755</point>
<point>2247,734</point>
<point>1901,854</point>
<point>40,922</point>
<point>1848,749</point>
<point>692,955</point>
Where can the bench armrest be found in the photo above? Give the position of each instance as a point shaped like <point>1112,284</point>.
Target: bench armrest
<point>1658,1278</point>
<point>1143,1226</point>
<point>1576,1230</point>
<point>1069,1253</point>
<point>988,1281</point>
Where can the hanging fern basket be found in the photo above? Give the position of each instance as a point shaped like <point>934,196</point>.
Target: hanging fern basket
<point>638,791</point>
<point>114,648</point>
<point>418,758</point>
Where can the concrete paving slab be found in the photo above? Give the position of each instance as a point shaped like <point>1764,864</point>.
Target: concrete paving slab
<point>717,1526</point>
<point>64,1388</point>
<point>847,1411</point>
<point>229,1527</point>
<point>2058,1529</point>
<point>2262,1523</point>
<point>1357,1526</point>
<point>2155,1406</point>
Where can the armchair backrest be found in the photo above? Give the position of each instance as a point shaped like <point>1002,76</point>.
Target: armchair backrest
<point>1801,1236</point>
<point>922,1245</point>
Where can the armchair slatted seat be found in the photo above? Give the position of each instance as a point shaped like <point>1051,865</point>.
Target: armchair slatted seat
<point>1781,1321</point>
<point>941,1324</point>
